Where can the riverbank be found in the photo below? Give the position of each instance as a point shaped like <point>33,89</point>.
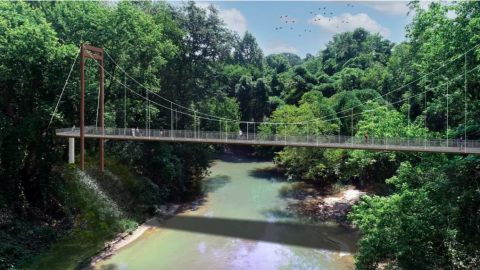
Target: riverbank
<point>163,213</point>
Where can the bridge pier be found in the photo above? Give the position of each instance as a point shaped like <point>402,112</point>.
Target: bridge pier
<point>71,150</point>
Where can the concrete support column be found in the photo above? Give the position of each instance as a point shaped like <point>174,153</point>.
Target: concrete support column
<point>71,150</point>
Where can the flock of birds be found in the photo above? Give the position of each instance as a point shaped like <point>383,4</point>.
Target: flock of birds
<point>311,12</point>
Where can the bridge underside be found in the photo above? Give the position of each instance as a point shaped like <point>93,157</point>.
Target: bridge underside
<point>317,141</point>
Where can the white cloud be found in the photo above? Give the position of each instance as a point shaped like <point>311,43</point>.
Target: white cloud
<point>232,17</point>
<point>203,4</point>
<point>389,8</point>
<point>234,20</point>
<point>279,46</point>
<point>339,24</point>
<point>425,4</point>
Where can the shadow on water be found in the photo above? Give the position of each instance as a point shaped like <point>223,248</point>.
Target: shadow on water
<point>285,233</point>
<point>211,184</point>
<point>269,173</point>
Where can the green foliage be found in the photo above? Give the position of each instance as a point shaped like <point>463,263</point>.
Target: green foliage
<point>20,240</point>
<point>357,49</point>
<point>302,82</point>
<point>248,53</point>
<point>252,97</point>
<point>293,59</point>
<point>428,223</point>
<point>428,217</point>
<point>278,62</point>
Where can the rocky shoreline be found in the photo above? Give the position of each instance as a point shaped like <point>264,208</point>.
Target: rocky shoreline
<point>330,208</point>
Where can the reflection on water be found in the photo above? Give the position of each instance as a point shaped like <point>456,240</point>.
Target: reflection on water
<point>243,225</point>
<point>211,184</point>
<point>271,173</point>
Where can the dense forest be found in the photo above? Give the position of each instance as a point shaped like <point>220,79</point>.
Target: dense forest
<point>424,209</point>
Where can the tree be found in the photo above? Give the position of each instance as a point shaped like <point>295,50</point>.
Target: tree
<point>302,82</point>
<point>431,222</point>
<point>253,97</point>
<point>278,62</point>
<point>248,53</point>
<point>293,59</point>
<point>357,49</point>
<point>309,56</point>
<point>30,59</point>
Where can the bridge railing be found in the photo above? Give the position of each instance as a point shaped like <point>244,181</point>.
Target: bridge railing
<point>274,139</point>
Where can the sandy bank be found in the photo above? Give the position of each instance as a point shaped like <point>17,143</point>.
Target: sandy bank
<point>124,239</point>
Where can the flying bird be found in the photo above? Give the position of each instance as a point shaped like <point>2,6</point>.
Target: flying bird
<point>286,21</point>
<point>310,30</point>
<point>315,19</point>
<point>299,35</point>
<point>291,28</point>
<point>328,19</point>
<point>330,12</point>
<point>311,12</point>
<point>281,16</point>
<point>342,21</point>
<point>280,28</point>
<point>285,16</point>
<point>276,28</point>
<point>323,8</point>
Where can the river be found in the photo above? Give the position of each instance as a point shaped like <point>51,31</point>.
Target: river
<point>242,225</point>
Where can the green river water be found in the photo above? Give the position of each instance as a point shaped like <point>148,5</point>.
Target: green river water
<point>239,227</point>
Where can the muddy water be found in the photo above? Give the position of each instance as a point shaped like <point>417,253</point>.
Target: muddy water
<point>243,225</point>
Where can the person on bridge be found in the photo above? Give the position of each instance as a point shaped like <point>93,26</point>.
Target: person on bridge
<point>133,132</point>
<point>161,131</point>
<point>460,142</point>
<point>138,132</point>
<point>239,134</point>
<point>366,138</point>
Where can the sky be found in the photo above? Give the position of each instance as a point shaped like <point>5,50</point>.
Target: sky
<point>261,18</point>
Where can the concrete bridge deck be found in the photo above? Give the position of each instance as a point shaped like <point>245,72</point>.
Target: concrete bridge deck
<point>293,140</point>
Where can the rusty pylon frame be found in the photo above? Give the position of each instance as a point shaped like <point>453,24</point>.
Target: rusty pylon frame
<point>97,54</point>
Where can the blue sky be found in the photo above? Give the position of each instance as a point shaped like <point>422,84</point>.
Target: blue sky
<point>262,17</point>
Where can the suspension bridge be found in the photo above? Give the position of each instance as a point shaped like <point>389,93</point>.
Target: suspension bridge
<point>249,135</point>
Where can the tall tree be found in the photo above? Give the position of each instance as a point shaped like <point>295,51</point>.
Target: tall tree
<point>248,53</point>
